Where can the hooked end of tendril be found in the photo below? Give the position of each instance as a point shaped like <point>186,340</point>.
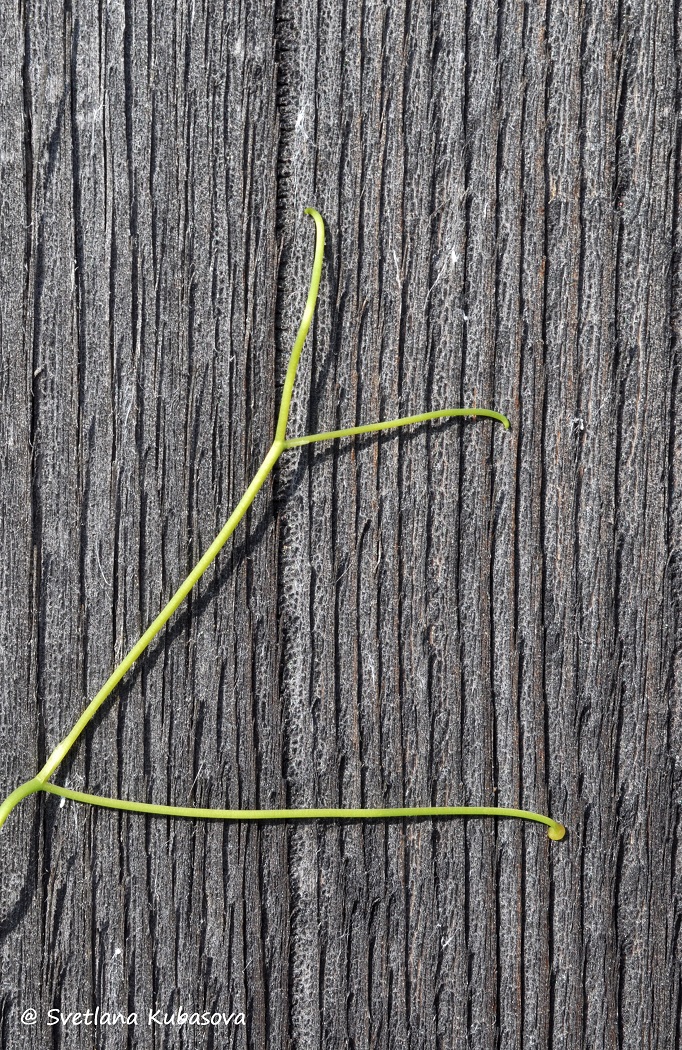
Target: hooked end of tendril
<point>556,832</point>
<point>485,413</point>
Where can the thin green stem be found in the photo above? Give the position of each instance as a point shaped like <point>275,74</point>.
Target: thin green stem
<point>41,781</point>
<point>65,745</point>
<point>556,830</point>
<point>391,424</point>
<point>283,418</point>
<point>20,793</point>
<point>155,626</point>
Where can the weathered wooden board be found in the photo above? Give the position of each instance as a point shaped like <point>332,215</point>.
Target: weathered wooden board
<point>451,615</point>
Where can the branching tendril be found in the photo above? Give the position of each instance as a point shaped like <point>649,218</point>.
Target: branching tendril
<point>42,782</point>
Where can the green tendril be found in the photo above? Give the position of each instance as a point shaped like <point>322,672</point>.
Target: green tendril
<point>280,444</point>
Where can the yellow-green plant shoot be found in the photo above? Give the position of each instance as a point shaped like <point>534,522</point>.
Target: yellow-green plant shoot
<point>42,782</point>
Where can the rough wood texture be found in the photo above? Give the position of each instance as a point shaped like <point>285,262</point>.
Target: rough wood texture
<point>455,614</point>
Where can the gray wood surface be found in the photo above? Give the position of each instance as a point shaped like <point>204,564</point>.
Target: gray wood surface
<point>450,615</point>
